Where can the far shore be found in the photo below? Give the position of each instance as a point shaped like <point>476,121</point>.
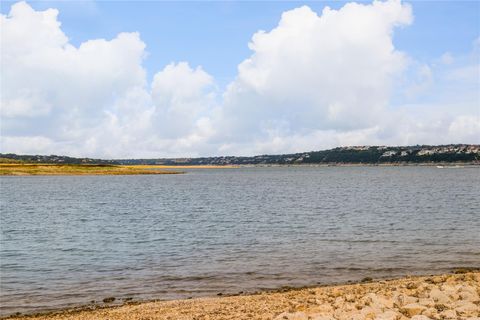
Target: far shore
<point>447,296</point>
<point>198,166</point>
<point>33,169</point>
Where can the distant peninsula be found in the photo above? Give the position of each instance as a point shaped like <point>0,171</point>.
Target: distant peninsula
<point>371,155</point>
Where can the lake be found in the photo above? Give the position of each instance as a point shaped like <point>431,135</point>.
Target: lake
<point>68,240</point>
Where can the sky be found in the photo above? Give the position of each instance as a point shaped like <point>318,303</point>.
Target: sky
<point>116,79</point>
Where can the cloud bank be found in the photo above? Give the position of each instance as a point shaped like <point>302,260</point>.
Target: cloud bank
<point>314,81</point>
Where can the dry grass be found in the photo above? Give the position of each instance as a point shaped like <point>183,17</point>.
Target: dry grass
<point>29,169</point>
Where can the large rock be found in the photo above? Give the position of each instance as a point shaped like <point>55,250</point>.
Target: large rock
<point>378,302</point>
<point>466,308</point>
<point>439,297</point>
<point>469,296</point>
<point>468,293</point>
<point>413,309</point>
<point>400,300</point>
<point>450,291</point>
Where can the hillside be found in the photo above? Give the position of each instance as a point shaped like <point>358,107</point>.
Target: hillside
<point>455,153</point>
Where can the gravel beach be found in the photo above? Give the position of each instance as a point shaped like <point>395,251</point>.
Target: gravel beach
<point>450,296</point>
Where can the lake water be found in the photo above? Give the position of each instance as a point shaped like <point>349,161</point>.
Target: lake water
<point>68,240</point>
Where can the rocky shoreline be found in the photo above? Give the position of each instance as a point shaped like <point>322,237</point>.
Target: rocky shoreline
<point>449,296</point>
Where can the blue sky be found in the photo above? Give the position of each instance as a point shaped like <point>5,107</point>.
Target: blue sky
<point>160,79</point>
<point>214,34</point>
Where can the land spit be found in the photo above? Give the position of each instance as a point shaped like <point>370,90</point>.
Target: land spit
<point>29,169</point>
<point>449,296</point>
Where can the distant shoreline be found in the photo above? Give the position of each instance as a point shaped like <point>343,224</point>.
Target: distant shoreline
<point>447,165</point>
<point>383,164</point>
<point>35,169</point>
<point>434,296</point>
<point>373,155</point>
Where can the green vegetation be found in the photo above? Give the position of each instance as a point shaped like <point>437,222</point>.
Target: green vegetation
<point>8,160</point>
<point>454,153</point>
<point>9,157</point>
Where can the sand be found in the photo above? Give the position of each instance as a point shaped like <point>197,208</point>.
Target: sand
<point>450,296</point>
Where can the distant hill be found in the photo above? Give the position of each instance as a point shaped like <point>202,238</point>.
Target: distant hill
<point>15,158</point>
<point>454,153</point>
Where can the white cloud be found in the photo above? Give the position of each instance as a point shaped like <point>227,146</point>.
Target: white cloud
<point>42,70</point>
<point>328,72</point>
<point>421,83</point>
<point>181,96</point>
<point>29,144</point>
<point>466,129</point>
<point>92,99</point>
<point>447,58</point>
<point>312,82</point>
<point>53,89</point>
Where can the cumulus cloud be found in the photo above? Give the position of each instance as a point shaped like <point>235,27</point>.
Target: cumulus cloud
<point>311,72</point>
<point>314,81</point>
<point>182,95</point>
<point>92,99</point>
<point>55,90</point>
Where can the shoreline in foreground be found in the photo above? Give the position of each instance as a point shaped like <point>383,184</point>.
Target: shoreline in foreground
<point>447,296</point>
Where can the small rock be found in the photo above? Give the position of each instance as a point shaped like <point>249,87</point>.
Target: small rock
<point>338,302</point>
<point>412,285</point>
<point>336,293</point>
<point>463,270</point>
<point>369,312</point>
<point>437,280</point>
<point>388,315</point>
<point>427,302</point>
<point>292,316</point>
<point>320,317</point>
<point>325,308</point>
<point>448,314</point>
<point>420,317</point>
<point>355,316</point>
<point>430,312</point>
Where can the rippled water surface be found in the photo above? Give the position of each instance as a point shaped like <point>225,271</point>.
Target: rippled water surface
<point>68,240</point>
